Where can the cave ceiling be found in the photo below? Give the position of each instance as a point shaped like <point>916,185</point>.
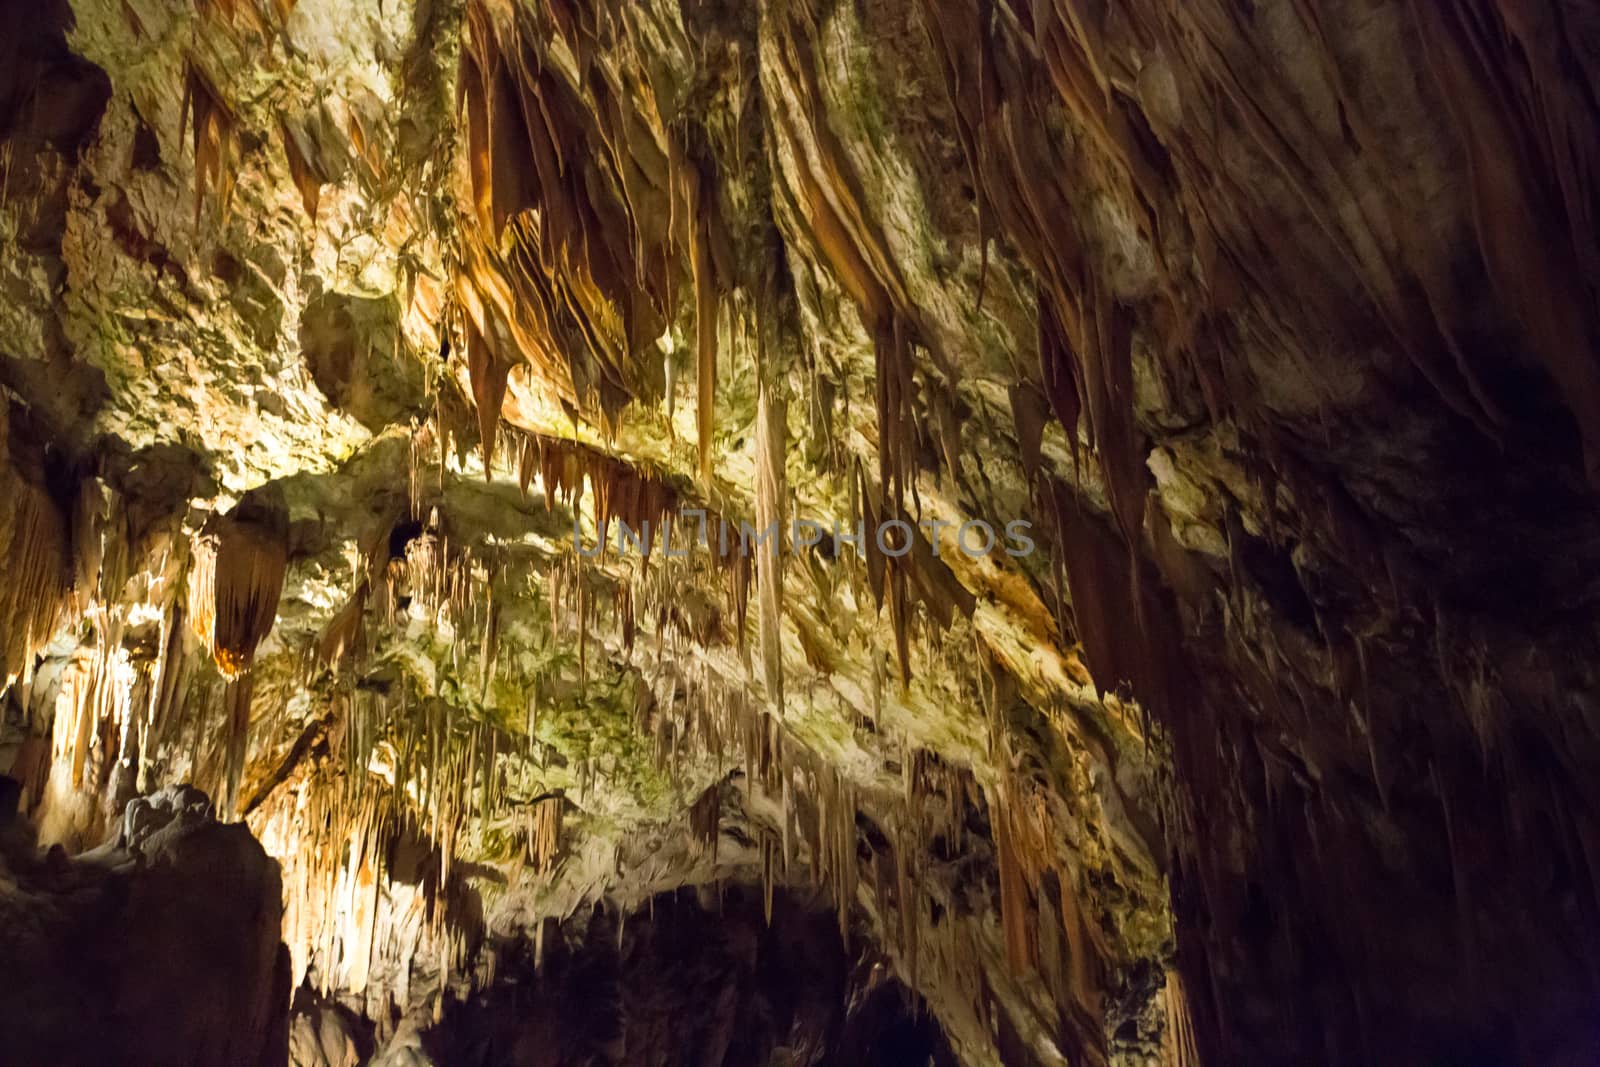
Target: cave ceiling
<point>341,342</point>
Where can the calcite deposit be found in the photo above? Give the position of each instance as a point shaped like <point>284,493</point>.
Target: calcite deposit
<point>370,368</point>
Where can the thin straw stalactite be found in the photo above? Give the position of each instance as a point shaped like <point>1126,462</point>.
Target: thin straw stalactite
<point>544,837</point>
<point>771,453</point>
<point>705,302</point>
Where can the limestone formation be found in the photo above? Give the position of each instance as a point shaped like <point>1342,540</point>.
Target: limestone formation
<point>1157,440</point>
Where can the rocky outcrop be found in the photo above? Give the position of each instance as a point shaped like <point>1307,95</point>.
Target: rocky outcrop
<point>162,946</point>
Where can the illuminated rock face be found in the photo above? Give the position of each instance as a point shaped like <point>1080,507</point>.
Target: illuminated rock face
<point>334,336</point>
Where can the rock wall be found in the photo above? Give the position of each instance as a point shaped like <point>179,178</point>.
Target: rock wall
<point>162,946</point>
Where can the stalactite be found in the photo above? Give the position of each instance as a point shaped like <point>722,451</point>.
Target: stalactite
<point>1128,628</point>
<point>1072,925</point>
<point>788,820</point>
<point>767,878</point>
<point>770,493</point>
<point>237,577</point>
<point>581,613</point>
<point>166,677</point>
<point>705,819</point>
<point>1178,1043</point>
<point>629,624</point>
<point>895,398</point>
<point>545,833</point>
<point>239,694</point>
<point>876,561</point>
<point>1056,364</point>
<point>488,372</point>
<point>299,152</point>
<point>214,129</point>
<point>907,894</point>
<point>34,600</point>
<point>887,574</point>
<point>705,302</point>
<point>489,653</point>
<point>1015,917</point>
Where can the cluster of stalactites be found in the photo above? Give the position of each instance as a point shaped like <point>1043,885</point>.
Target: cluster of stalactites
<point>544,833</point>
<point>933,808</point>
<point>433,573</point>
<point>637,506</point>
<point>413,566</point>
<point>215,129</point>
<point>585,221</point>
<point>64,547</point>
<point>35,597</point>
<point>816,837</point>
<point>705,819</point>
<point>818,805</point>
<point>1044,928</point>
<point>623,492</point>
<point>94,708</point>
<point>369,837</point>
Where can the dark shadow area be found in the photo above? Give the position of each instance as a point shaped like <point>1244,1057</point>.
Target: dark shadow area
<point>693,980</point>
